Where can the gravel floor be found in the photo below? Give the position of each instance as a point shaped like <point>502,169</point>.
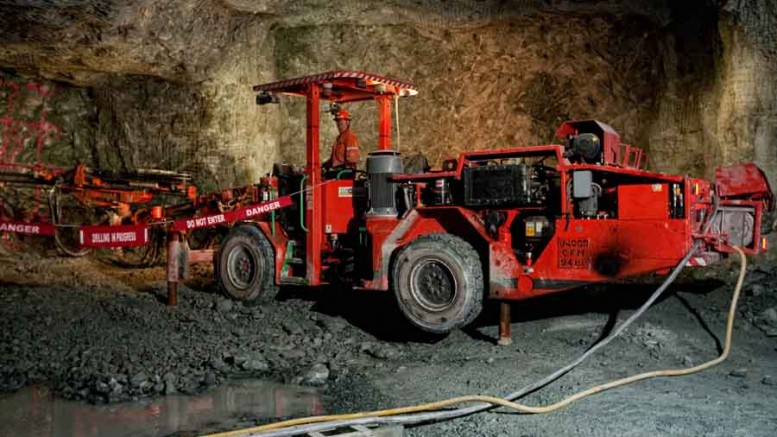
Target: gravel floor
<point>101,334</point>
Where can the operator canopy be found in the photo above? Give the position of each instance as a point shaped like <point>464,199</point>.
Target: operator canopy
<point>337,86</point>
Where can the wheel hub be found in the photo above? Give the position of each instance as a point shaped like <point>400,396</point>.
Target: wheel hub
<point>242,268</point>
<point>433,285</point>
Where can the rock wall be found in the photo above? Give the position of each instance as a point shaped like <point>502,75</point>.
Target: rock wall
<point>248,131</point>
<point>62,116</point>
<point>212,129</point>
<point>499,85</point>
<point>167,83</point>
<point>683,138</point>
<point>747,115</point>
<point>718,101</point>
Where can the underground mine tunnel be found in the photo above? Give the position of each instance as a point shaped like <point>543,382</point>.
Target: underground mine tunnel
<point>220,215</point>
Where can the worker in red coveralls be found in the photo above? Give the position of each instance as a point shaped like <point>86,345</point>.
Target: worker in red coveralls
<point>345,150</point>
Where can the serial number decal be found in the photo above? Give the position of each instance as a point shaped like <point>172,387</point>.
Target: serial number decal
<point>574,253</point>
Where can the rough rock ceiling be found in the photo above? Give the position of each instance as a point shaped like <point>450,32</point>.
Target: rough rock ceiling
<point>82,41</point>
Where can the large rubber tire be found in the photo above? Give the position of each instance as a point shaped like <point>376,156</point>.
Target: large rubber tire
<point>438,283</point>
<point>245,265</point>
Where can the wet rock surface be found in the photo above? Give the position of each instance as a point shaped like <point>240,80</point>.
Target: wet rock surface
<point>104,335</point>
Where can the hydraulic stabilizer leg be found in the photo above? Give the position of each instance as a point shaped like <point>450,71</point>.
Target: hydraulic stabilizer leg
<point>505,339</point>
<point>173,267</point>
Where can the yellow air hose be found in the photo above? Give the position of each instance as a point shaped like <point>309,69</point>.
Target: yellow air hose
<point>513,405</point>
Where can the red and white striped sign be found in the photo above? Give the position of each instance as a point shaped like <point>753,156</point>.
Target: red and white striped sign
<point>27,228</point>
<point>113,236</point>
<point>231,216</point>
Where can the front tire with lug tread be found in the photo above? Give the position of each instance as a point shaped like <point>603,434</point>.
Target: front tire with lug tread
<point>245,265</point>
<point>438,283</point>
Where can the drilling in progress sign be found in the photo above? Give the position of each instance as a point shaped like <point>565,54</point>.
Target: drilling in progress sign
<point>574,253</point>
<point>113,236</point>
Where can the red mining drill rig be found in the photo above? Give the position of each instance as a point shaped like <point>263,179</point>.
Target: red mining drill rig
<point>508,224</point>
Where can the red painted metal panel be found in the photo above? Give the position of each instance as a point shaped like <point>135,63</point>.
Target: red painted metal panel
<point>744,180</point>
<point>589,251</point>
<point>338,206</point>
<point>385,233</point>
<point>643,202</point>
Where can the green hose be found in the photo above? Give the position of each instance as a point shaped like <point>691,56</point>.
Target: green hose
<point>302,203</point>
<point>341,172</point>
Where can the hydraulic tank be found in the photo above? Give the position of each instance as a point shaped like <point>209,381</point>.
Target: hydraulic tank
<point>381,165</point>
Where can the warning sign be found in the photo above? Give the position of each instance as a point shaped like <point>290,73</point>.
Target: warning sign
<point>26,228</point>
<point>574,253</point>
<point>231,216</point>
<point>113,236</point>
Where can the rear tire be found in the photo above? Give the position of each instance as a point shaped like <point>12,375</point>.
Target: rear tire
<point>245,265</point>
<point>438,283</point>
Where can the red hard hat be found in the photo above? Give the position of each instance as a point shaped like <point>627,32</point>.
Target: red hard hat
<point>342,113</point>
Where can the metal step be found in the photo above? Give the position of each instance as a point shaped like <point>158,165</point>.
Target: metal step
<point>294,280</point>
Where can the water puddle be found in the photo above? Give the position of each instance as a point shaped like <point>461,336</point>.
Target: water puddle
<point>35,411</point>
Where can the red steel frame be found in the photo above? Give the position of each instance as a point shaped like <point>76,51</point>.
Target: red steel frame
<point>346,87</point>
<point>313,208</point>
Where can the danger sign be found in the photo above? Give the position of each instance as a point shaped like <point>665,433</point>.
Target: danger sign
<point>26,228</point>
<point>232,216</point>
<point>574,253</point>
